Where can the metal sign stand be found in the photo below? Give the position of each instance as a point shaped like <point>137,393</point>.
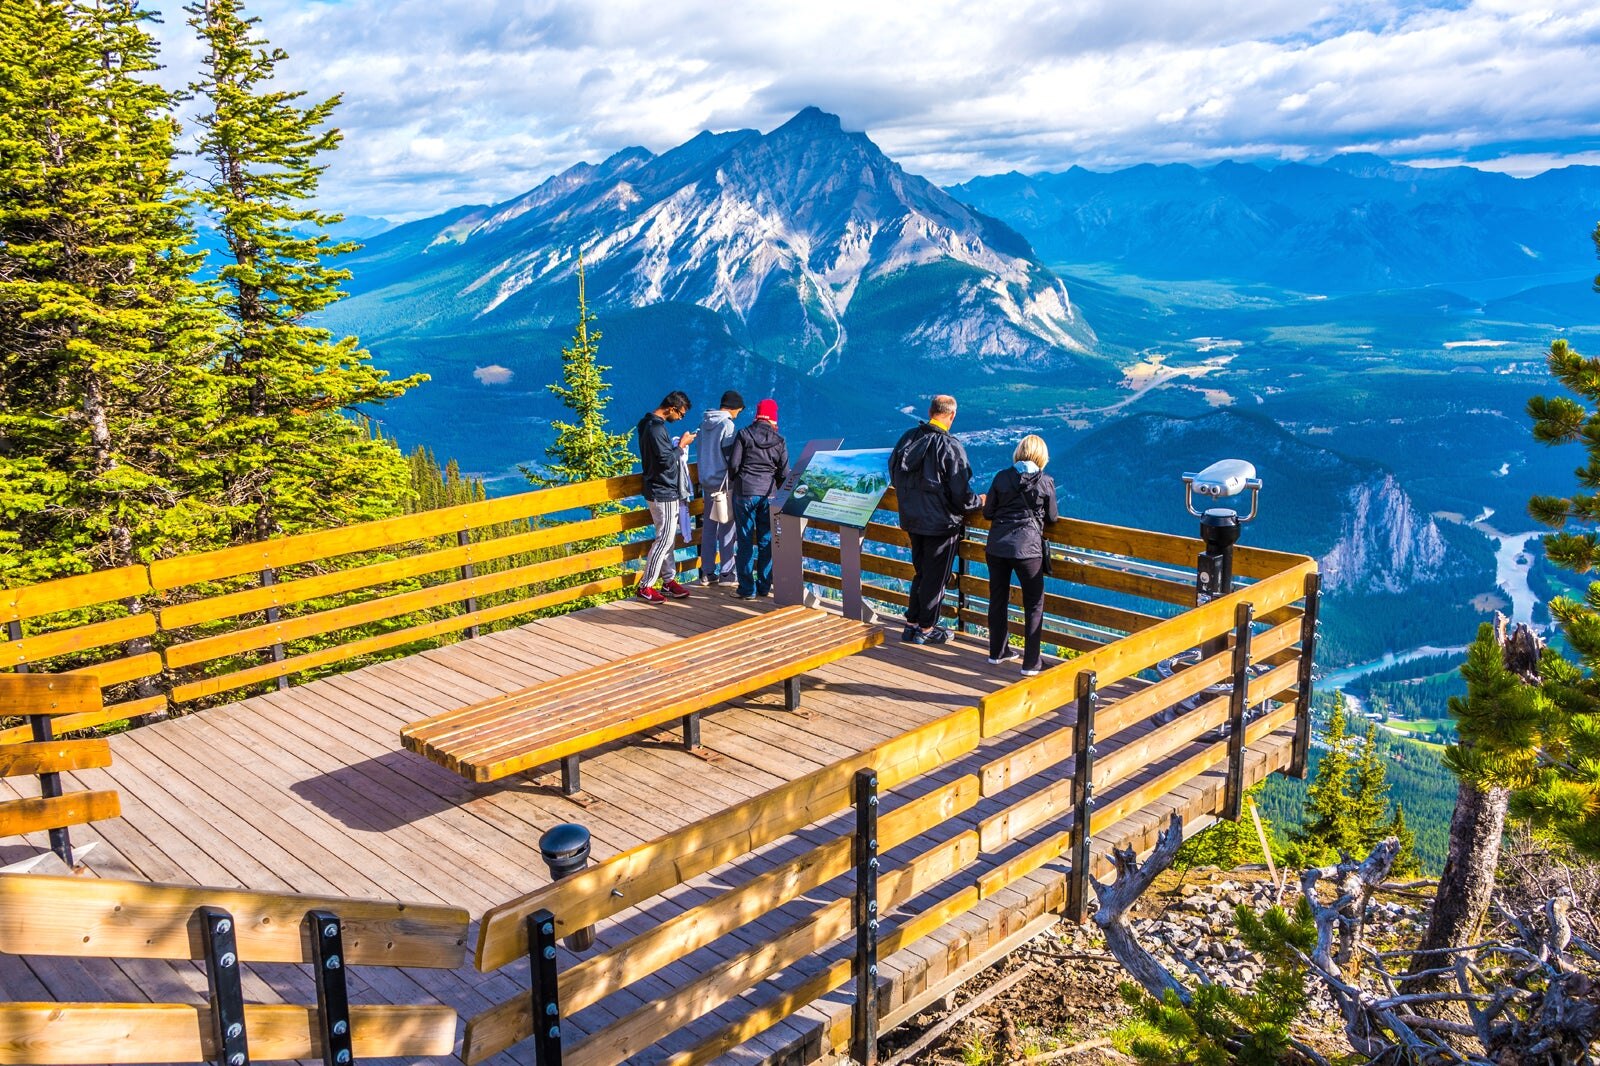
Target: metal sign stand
<point>850,573</point>
<point>788,534</point>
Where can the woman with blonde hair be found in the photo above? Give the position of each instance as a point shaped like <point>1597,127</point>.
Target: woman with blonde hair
<point>1020,505</point>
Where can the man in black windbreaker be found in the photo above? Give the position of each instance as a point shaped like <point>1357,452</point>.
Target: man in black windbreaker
<point>933,480</point>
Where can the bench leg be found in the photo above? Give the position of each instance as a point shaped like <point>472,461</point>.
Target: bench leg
<point>691,731</point>
<point>570,784</point>
<point>791,694</point>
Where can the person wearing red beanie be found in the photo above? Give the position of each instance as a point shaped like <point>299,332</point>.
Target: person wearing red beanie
<point>760,463</point>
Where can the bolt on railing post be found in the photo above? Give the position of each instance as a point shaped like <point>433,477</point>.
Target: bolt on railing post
<point>470,604</point>
<point>49,784</point>
<point>269,577</point>
<point>1082,798</point>
<point>545,990</point>
<point>864,1021</point>
<point>333,991</point>
<point>225,987</point>
<point>1238,702</point>
<point>1301,751</point>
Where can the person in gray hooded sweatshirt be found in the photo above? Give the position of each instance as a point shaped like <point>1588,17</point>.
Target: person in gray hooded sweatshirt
<point>718,540</point>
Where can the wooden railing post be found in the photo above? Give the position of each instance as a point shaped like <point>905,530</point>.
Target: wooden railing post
<point>1300,753</point>
<point>546,995</point>
<point>1238,703</point>
<point>470,604</point>
<point>50,787</point>
<point>49,784</point>
<point>864,1021</point>
<point>1082,799</point>
<point>333,991</point>
<point>226,988</point>
<point>269,577</point>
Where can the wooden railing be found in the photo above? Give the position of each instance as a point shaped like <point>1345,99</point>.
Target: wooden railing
<point>224,929</point>
<point>199,627</point>
<point>1107,581</point>
<point>41,699</point>
<point>1265,660</point>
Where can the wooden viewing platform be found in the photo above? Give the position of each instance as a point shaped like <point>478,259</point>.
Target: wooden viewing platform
<point>307,791</point>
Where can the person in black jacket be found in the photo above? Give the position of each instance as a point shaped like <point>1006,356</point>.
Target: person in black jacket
<point>758,465</point>
<point>1020,505</point>
<point>664,491</point>
<point>933,480</point>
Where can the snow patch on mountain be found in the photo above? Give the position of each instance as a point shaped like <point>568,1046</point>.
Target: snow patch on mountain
<point>780,232</point>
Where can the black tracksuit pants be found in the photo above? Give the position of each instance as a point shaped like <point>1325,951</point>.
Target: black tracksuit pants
<point>1030,575</point>
<point>931,556</point>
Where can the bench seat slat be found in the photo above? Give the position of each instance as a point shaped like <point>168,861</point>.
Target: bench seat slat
<point>572,714</point>
<point>640,695</point>
<point>606,677</point>
<point>601,728</point>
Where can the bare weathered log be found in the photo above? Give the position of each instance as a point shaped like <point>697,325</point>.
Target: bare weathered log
<point>1346,915</point>
<point>1117,898</point>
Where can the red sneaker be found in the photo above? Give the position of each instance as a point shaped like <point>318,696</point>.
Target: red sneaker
<point>649,594</point>
<point>675,590</point>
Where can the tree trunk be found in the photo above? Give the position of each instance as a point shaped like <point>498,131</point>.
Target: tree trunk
<point>1468,879</point>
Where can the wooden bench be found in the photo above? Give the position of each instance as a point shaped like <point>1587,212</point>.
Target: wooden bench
<point>559,720</point>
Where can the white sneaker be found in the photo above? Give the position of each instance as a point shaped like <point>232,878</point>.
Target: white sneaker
<point>1032,671</point>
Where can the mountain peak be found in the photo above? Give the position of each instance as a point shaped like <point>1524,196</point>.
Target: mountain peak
<point>812,120</point>
<point>808,241</point>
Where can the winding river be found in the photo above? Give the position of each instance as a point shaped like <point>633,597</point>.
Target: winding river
<point>1511,566</point>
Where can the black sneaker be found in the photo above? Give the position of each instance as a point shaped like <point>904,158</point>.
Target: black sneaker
<point>1010,655</point>
<point>936,635</point>
<point>909,635</point>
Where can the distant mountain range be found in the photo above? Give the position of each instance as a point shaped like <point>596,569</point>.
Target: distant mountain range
<point>1353,223</point>
<point>813,250</point>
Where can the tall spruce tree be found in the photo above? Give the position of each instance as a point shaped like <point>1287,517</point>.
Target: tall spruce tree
<point>1530,724</point>
<point>290,457</point>
<point>1532,716</point>
<point>103,332</point>
<point>584,449</point>
<point>1347,802</point>
<point>1325,827</point>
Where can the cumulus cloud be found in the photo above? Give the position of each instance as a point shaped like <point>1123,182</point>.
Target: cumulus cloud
<point>448,102</point>
<point>493,374</point>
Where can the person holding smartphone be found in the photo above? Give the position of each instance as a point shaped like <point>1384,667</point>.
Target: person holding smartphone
<point>662,462</point>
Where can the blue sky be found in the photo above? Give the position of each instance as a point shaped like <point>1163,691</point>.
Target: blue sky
<point>450,102</point>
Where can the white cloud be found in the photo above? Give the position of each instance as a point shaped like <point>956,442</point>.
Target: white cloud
<point>493,374</point>
<point>449,102</point>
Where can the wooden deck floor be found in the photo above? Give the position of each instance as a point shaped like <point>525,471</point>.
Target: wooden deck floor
<point>308,791</point>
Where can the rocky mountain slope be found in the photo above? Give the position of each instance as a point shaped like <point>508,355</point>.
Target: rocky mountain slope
<point>811,249</point>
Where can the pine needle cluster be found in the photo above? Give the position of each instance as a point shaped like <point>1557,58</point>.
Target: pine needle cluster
<point>1221,1026</point>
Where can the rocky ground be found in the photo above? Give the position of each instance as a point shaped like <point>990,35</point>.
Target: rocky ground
<point>1064,1005</point>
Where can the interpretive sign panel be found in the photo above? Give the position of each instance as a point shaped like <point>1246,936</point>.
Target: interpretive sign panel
<point>842,487</point>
